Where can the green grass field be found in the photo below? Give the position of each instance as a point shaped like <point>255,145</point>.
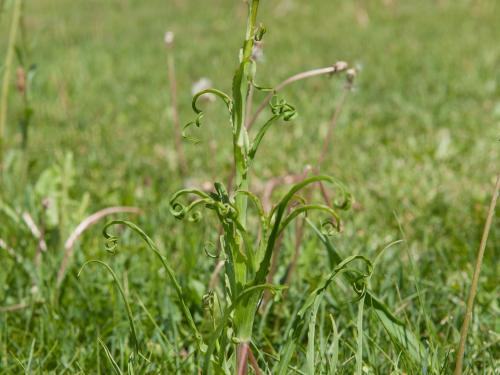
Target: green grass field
<point>417,145</point>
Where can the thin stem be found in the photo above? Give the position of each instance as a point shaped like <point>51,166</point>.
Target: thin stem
<point>169,42</point>
<point>16,16</point>
<point>333,123</point>
<point>339,66</point>
<point>475,280</point>
<point>37,233</point>
<point>253,362</point>
<point>243,316</point>
<point>214,278</point>
<point>351,73</point>
<point>242,358</point>
<point>241,85</point>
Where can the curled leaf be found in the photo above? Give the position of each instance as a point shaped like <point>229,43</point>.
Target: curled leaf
<point>329,227</point>
<point>210,250</point>
<point>280,107</point>
<point>305,209</point>
<point>199,113</point>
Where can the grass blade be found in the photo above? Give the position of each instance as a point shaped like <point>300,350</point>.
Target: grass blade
<point>359,327</point>
<point>310,369</point>
<point>124,297</point>
<point>114,365</point>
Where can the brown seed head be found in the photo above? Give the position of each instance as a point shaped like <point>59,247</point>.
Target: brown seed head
<point>21,80</point>
<point>340,66</point>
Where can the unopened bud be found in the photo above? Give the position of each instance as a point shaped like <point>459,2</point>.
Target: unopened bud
<point>261,30</point>
<point>169,38</point>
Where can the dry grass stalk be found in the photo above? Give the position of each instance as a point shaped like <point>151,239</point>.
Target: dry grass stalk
<point>214,278</point>
<point>16,18</point>
<point>169,43</point>
<point>475,281</point>
<point>38,234</point>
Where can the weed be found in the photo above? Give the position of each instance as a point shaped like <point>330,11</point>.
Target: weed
<point>247,251</point>
<point>418,139</point>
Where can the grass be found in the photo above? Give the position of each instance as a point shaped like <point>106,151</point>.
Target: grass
<point>417,144</point>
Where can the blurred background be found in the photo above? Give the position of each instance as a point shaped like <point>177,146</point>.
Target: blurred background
<point>416,142</point>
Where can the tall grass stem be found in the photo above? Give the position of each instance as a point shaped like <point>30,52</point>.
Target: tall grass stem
<point>475,280</point>
<point>174,107</point>
<point>14,26</point>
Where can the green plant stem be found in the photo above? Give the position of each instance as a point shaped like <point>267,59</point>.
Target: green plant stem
<point>244,313</point>
<point>16,16</point>
<point>475,280</point>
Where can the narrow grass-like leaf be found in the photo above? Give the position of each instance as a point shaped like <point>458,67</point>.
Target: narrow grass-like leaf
<point>359,340</point>
<point>397,330</point>
<point>124,298</point>
<point>114,365</point>
<point>334,348</point>
<point>310,359</point>
<point>279,211</point>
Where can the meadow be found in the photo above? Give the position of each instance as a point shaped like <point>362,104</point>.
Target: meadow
<point>380,288</point>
